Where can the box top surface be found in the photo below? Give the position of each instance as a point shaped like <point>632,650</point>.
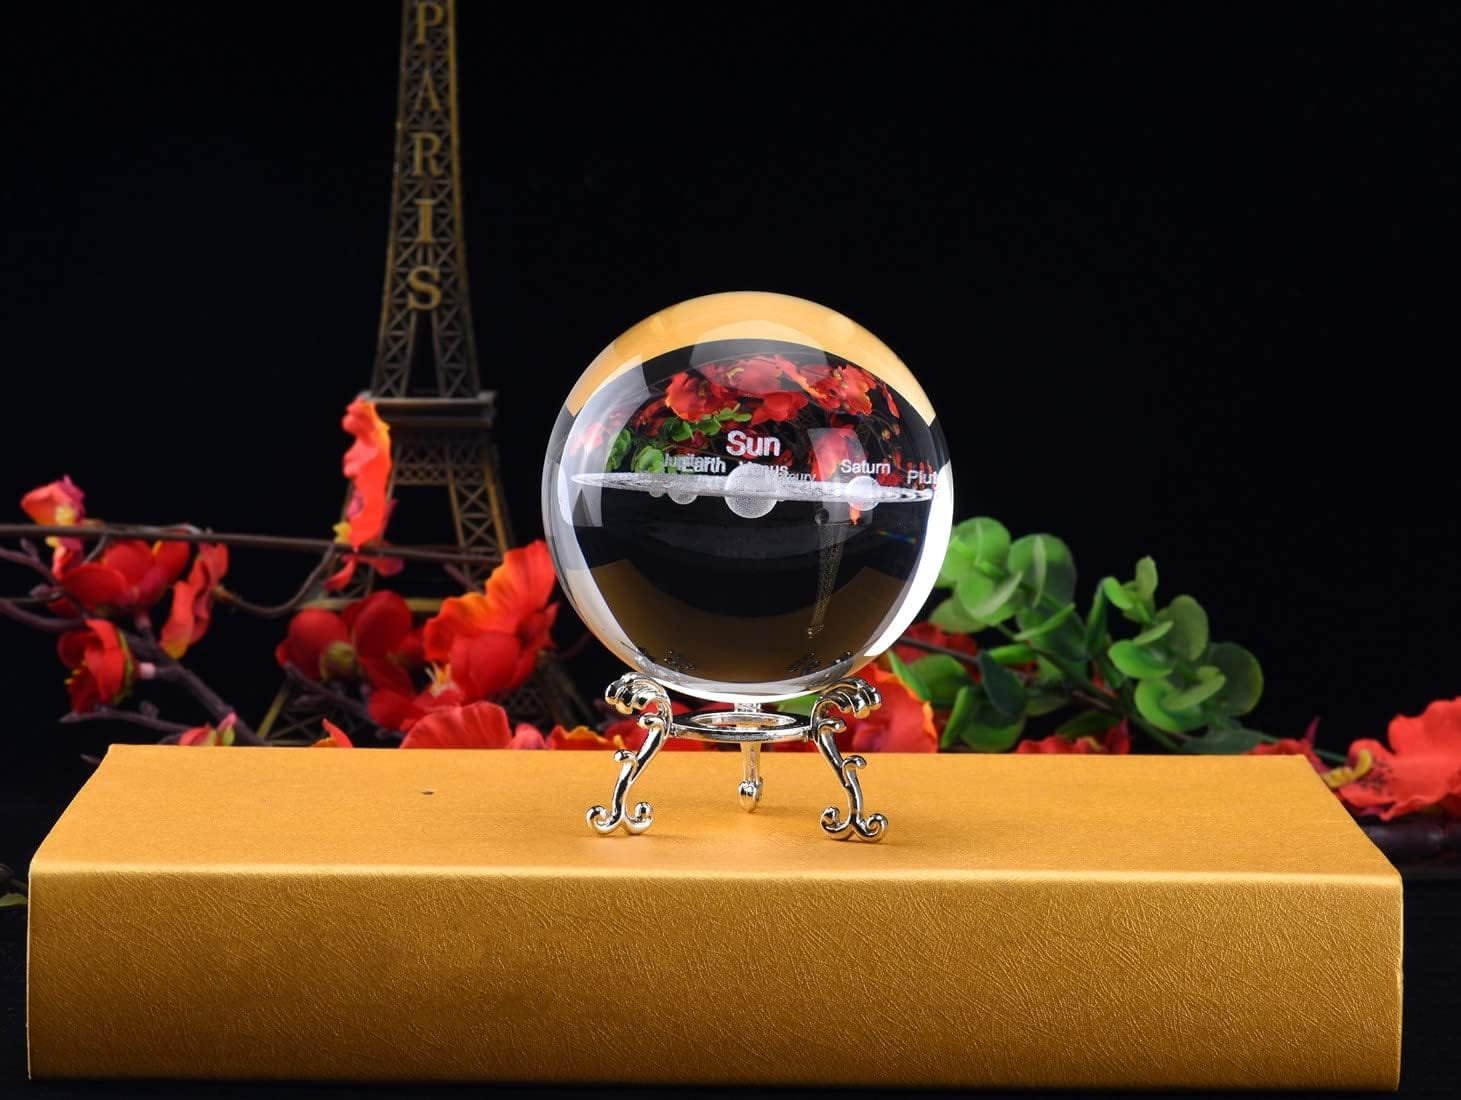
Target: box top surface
<point>279,810</point>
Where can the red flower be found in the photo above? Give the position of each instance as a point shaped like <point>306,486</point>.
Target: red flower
<point>398,706</point>
<point>1420,769</point>
<point>691,396</point>
<point>335,737</point>
<point>782,405</point>
<point>836,389</point>
<point>59,504</point>
<point>317,646</point>
<point>927,632</point>
<point>374,635</point>
<point>1115,741</point>
<point>475,726</point>
<point>1294,746</point>
<point>383,636</point>
<point>758,376</point>
<point>649,418</point>
<point>528,736</point>
<point>100,663</point>
<point>192,599</point>
<point>128,576</point>
<point>582,737</point>
<point>368,466</point>
<point>830,446</point>
<point>491,640</point>
<point>208,737</point>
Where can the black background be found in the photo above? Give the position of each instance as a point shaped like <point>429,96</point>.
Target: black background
<point>1179,281</point>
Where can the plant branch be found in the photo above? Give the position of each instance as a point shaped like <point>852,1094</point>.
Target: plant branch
<point>331,695</point>
<point>117,714</point>
<point>29,561</point>
<point>167,669</point>
<point>275,611</point>
<point>259,542</point>
<point>48,623</point>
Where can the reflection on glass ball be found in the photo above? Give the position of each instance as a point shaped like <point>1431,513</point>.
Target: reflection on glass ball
<point>747,497</point>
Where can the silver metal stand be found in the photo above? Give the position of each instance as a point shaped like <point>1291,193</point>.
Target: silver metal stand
<point>750,727</point>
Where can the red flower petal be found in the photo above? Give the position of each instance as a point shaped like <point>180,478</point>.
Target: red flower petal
<point>59,504</point>
<point>1115,741</point>
<point>527,736</point>
<point>778,406</point>
<point>192,599</point>
<point>1421,768</point>
<point>97,587</point>
<point>100,664</point>
<point>368,466</point>
<point>335,737</point>
<point>903,723</point>
<point>927,632</point>
<point>475,726</point>
<point>378,624</point>
<point>691,396</point>
<point>314,634</point>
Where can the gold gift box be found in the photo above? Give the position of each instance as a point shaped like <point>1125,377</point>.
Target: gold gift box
<point>435,915</point>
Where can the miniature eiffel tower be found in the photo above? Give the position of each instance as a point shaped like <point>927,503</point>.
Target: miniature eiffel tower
<point>425,384</point>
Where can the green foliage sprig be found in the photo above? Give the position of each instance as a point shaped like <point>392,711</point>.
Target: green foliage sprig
<point>1126,657</point>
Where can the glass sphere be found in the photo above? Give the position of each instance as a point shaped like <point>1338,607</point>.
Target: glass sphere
<point>747,497</point>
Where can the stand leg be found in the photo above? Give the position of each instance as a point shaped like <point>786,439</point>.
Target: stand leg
<point>858,698</point>
<point>751,784</point>
<point>630,693</point>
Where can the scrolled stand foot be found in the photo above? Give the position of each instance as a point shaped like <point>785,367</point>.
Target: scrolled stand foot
<point>630,693</point>
<point>858,698</point>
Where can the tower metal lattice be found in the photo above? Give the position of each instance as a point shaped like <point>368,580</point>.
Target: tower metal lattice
<point>425,382</point>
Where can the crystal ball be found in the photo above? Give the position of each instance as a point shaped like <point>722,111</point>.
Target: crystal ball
<point>747,496</point>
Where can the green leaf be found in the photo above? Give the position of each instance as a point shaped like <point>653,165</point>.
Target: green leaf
<point>1146,578</point>
<point>707,425</point>
<point>741,417</point>
<point>1096,621</point>
<point>618,449</point>
<point>681,431</point>
<point>1012,654</point>
<point>942,677</point>
<point>973,722</point>
<point>1047,565</point>
<point>910,677</point>
<point>1005,692</point>
<point>948,615</point>
<point>1227,739</point>
<point>1089,723</point>
<point>1151,697</point>
<point>1137,661</point>
<point>1197,694</point>
<point>960,726</point>
<point>997,605</point>
<point>985,539</point>
<point>12,901</point>
<point>990,736</point>
<point>1243,675</point>
<point>1152,634</point>
<point>1189,636</point>
<point>649,460</point>
<point>1115,592</point>
<point>1049,625</point>
<point>959,562</point>
<point>973,589</point>
<point>1042,701</point>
